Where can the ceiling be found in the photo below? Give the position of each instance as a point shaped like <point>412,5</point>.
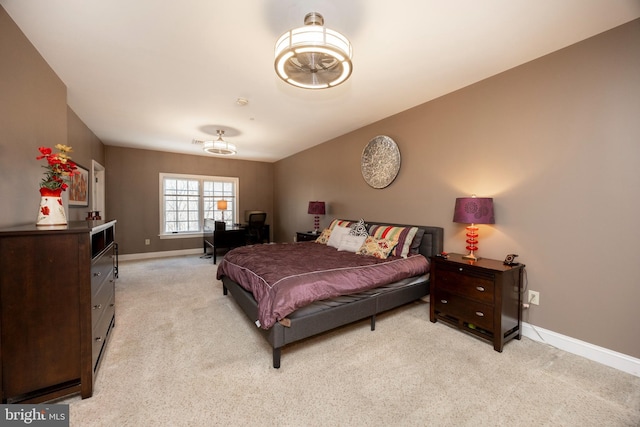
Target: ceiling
<point>157,75</point>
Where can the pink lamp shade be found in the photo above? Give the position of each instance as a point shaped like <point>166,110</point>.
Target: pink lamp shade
<point>316,208</point>
<point>473,210</point>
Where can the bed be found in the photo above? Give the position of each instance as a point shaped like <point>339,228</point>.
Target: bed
<point>263,288</point>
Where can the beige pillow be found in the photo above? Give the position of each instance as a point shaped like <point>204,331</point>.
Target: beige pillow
<point>351,243</point>
<point>379,248</point>
<point>336,236</point>
<point>324,237</point>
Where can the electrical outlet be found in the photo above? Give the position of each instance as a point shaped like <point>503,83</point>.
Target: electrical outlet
<point>147,241</point>
<point>534,298</point>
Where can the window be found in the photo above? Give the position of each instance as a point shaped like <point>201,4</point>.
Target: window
<point>187,199</point>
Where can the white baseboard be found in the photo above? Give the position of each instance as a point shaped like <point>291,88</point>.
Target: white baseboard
<point>611,358</point>
<point>162,254</point>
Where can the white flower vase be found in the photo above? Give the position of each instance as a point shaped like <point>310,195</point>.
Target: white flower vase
<point>51,210</point>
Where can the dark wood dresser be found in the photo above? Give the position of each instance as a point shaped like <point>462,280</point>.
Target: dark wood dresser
<point>481,297</point>
<point>57,307</point>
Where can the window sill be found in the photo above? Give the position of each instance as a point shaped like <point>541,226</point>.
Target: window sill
<point>193,235</point>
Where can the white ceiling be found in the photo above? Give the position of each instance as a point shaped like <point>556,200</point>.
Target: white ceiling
<point>157,74</point>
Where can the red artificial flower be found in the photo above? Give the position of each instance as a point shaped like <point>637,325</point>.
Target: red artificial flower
<point>60,168</point>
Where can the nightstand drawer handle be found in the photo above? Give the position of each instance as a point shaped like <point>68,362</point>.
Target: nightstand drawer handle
<point>479,314</point>
<point>480,288</point>
<point>444,301</point>
<point>460,269</point>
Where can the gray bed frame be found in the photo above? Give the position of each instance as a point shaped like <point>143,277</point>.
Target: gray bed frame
<point>306,325</point>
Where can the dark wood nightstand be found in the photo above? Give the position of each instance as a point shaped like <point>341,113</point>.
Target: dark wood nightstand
<point>306,236</point>
<point>483,298</point>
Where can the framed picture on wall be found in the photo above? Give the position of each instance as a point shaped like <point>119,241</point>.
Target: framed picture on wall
<point>79,188</point>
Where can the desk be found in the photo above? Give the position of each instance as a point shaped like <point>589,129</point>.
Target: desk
<point>229,238</point>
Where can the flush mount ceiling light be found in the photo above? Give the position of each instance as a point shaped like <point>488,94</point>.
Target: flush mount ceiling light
<point>313,57</point>
<point>219,147</point>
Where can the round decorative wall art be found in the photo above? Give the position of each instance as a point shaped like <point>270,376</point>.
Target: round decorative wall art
<point>380,161</point>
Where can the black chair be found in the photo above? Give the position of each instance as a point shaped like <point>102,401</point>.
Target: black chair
<point>255,228</point>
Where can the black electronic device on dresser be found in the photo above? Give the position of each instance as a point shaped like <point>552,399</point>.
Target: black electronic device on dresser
<point>481,297</point>
<point>57,308</point>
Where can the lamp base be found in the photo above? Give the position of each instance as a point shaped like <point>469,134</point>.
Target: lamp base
<point>471,256</point>
<point>472,241</point>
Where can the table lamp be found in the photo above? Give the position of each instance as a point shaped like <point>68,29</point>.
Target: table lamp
<point>473,210</point>
<point>317,209</point>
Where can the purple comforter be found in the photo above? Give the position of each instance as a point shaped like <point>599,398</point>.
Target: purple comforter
<point>284,277</point>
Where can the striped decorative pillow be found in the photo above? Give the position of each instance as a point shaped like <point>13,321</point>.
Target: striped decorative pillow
<point>339,222</point>
<point>403,236</point>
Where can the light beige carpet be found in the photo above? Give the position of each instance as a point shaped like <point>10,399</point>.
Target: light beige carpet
<point>182,354</point>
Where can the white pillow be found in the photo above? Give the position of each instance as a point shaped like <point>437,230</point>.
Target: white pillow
<point>336,235</point>
<point>351,243</point>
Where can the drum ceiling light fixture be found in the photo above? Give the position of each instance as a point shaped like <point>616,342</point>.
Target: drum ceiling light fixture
<point>313,57</point>
<point>219,147</point>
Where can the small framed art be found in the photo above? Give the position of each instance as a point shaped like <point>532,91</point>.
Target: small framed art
<point>79,188</point>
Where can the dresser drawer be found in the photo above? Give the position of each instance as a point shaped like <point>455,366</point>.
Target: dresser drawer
<point>463,309</point>
<point>100,269</point>
<point>102,298</point>
<point>101,329</point>
<point>475,286</point>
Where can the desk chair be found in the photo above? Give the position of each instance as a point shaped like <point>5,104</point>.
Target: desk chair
<point>255,228</point>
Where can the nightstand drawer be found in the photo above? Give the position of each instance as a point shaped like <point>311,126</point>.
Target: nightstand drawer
<point>464,309</point>
<point>477,287</point>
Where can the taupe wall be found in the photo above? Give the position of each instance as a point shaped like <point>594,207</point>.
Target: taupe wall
<point>132,180</point>
<point>555,142</point>
<point>86,147</point>
<point>33,113</point>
